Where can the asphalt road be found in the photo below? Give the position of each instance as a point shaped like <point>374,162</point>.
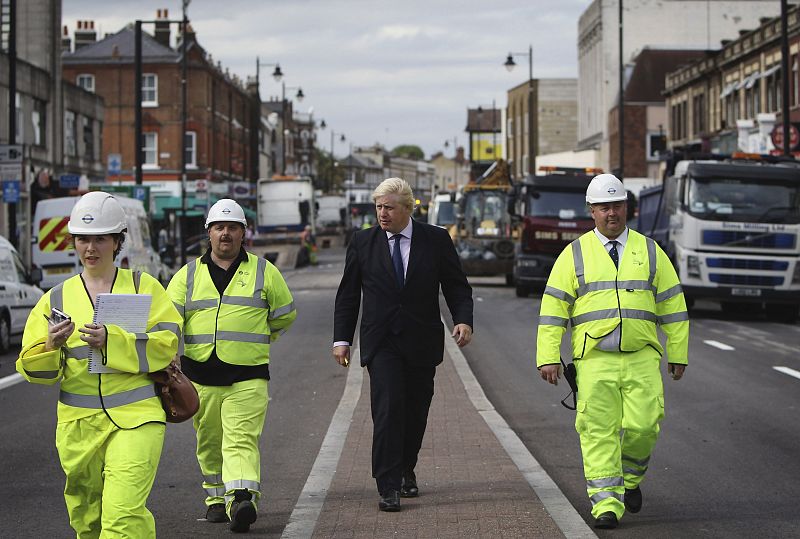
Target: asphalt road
<point>726,464</point>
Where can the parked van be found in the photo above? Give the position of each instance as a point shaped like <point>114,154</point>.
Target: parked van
<point>52,247</point>
<point>18,294</point>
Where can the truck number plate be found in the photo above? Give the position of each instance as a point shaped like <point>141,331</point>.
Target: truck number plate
<point>745,291</point>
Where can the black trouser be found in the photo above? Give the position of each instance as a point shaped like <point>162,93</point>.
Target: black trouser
<point>400,392</point>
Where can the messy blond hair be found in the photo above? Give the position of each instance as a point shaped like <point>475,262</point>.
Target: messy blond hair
<point>395,186</point>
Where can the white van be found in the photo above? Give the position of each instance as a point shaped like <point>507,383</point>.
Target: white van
<point>52,247</point>
<point>18,294</point>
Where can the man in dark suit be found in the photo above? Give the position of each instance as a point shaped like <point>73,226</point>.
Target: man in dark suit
<point>399,267</point>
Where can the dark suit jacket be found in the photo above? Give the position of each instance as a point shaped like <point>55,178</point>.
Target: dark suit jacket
<point>410,313</point>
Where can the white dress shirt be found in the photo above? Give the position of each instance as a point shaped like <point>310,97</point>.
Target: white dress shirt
<point>621,240</point>
<point>405,252</point>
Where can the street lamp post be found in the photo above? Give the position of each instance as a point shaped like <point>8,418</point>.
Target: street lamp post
<point>299,95</point>
<point>510,64</point>
<point>333,138</point>
<point>276,74</point>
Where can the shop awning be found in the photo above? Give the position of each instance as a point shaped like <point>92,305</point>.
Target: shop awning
<point>193,206</point>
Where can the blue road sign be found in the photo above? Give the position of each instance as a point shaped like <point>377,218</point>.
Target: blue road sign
<point>114,164</point>
<point>139,193</point>
<point>11,191</point>
<point>69,181</point>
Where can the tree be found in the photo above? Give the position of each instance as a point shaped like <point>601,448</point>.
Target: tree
<point>330,175</point>
<point>409,151</point>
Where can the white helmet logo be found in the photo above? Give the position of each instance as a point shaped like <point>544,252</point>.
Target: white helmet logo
<point>611,190</point>
<point>226,211</point>
<point>87,219</point>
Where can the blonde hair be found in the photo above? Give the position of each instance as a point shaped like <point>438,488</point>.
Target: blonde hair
<point>395,186</point>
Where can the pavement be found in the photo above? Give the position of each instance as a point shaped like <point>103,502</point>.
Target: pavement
<point>475,477</point>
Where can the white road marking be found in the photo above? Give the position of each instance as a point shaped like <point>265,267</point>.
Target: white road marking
<point>306,511</point>
<point>10,380</point>
<point>787,370</point>
<point>720,345</point>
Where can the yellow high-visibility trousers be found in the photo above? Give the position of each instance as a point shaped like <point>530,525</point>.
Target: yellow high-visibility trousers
<point>110,473</point>
<point>619,408</point>
<point>229,425</point>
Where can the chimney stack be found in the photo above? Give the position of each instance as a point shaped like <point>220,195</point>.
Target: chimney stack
<point>162,27</point>
<point>85,34</point>
<point>66,42</point>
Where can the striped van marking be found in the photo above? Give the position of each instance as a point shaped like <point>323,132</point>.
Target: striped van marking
<point>53,234</point>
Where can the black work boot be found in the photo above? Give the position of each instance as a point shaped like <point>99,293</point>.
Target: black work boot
<point>243,511</point>
<point>216,513</point>
<point>633,499</point>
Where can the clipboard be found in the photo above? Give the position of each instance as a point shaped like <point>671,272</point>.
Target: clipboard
<point>128,311</point>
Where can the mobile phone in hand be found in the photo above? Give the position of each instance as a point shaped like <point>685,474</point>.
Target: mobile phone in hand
<point>57,316</point>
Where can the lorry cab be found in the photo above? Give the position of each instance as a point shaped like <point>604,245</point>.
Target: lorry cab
<point>18,294</point>
<point>54,255</point>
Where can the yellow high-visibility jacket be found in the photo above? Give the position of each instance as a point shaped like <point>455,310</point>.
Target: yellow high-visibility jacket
<point>128,396</point>
<point>254,310</point>
<point>586,290</point>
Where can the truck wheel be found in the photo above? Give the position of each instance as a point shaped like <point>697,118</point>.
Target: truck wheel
<point>522,291</point>
<point>779,312</point>
<point>5,334</point>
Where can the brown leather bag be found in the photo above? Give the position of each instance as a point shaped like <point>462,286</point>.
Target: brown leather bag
<point>178,395</point>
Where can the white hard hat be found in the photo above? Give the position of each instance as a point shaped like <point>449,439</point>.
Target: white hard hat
<point>226,210</point>
<point>97,213</point>
<point>605,188</point>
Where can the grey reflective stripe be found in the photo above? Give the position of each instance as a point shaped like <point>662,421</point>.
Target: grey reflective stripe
<point>286,309</point>
<point>641,463</point>
<point>45,375</point>
<point>198,339</point>
<point>638,314</point>
<point>595,286</point>
<point>278,333</point>
<point>559,294</point>
<point>78,352</point>
<point>167,326</point>
<point>634,471</point>
<point>137,278</point>
<point>179,308</point>
<point>141,351</point>
<point>213,479</point>
<point>651,257</point>
<point>605,482</point>
<point>668,293</point>
<point>201,304</point>
<point>577,257</point>
<point>260,270</point>
<point>241,336</point>
<point>57,296</point>
<point>675,317</point>
<point>258,303</point>
<point>242,483</point>
<point>553,321</point>
<point>218,492</point>
<point>591,316</point>
<point>190,305</point>
<point>110,401</point>
<point>635,285</point>
<point>603,495</point>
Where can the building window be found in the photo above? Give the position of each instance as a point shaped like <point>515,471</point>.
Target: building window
<point>510,127</point>
<point>19,132</point>
<point>149,150</point>
<point>656,145</point>
<point>86,82</point>
<point>698,114</point>
<point>88,139</point>
<point>70,134</point>
<point>149,90</point>
<point>39,116</point>
<point>795,81</point>
<point>190,146</point>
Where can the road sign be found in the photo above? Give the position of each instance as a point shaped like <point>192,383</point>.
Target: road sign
<point>114,164</point>
<point>11,191</point>
<point>777,137</point>
<point>10,153</point>
<point>10,171</point>
<point>69,181</point>
<point>139,192</point>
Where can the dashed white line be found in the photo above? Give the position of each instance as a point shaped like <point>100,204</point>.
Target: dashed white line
<point>720,345</point>
<point>10,380</point>
<point>787,370</point>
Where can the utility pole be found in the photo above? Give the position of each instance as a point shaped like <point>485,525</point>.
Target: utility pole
<point>621,111</point>
<point>12,111</point>
<point>787,145</point>
<point>184,103</point>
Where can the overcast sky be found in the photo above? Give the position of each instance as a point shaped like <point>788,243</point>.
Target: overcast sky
<point>388,71</point>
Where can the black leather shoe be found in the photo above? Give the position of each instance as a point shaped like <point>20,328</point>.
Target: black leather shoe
<point>606,521</point>
<point>633,500</point>
<point>408,486</point>
<point>390,502</point>
<point>243,512</point>
<point>216,513</point>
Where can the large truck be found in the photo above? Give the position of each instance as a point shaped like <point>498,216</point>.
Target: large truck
<point>732,229</point>
<point>286,206</point>
<point>553,212</point>
<point>485,230</point>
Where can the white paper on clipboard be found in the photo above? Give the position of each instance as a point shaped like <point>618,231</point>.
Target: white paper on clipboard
<point>128,311</point>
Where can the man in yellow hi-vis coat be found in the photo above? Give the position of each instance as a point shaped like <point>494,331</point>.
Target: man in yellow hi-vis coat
<point>615,287</point>
<point>234,305</point>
